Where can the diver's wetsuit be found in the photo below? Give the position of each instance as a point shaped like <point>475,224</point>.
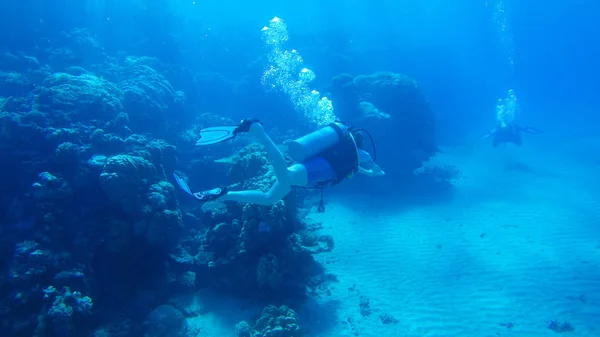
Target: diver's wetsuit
<point>342,161</point>
<point>508,134</point>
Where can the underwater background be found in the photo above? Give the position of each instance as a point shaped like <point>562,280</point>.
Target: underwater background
<point>101,101</point>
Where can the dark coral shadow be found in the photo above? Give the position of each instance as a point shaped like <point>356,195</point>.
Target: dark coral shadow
<point>319,318</point>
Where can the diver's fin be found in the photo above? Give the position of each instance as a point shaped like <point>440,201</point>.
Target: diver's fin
<point>217,134</point>
<point>210,194</point>
<point>182,184</point>
<point>202,196</point>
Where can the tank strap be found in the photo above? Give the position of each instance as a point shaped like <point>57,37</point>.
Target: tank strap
<point>340,132</point>
<point>321,186</point>
<point>321,207</point>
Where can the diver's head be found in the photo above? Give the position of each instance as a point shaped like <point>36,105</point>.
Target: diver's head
<point>359,139</point>
<point>359,136</point>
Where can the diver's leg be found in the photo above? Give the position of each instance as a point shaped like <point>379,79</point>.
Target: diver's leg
<point>273,153</point>
<point>296,175</point>
<point>276,193</point>
<point>530,129</point>
<point>489,134</point>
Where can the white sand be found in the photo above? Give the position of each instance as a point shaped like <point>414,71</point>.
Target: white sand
<point>515,246</point>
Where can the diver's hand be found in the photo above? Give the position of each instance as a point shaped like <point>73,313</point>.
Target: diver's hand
<point>377,171</point>
<point>365,172</point>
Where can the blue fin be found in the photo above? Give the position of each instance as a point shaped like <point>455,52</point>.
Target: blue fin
<point>182,184</point>
<point>217,134</point>
<point>210,194</point>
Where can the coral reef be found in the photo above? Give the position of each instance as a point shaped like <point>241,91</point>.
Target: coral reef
<point>95,238</point>
<point>393,108</point>
<point>244,249</point>
<point>90,220</point>
<point>274,322</point>
<point>148,98</point>
<point>67,99</point>
<point>165,321</point>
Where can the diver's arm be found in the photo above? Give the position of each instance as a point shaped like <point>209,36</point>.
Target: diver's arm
<point>375,171</point>
<point>529,129</point>
<point>273,152</point>
<point>489,134</point>
<point>365,172</point>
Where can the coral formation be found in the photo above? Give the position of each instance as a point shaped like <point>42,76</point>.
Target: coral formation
<point>393,108</point>
<point>67,98</point>
<point>274,322</point>
<point>97,241</point>
<point>165,321</point>
<point>250,248</point>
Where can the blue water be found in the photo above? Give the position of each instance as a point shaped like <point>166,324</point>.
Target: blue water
<point>101,102</point>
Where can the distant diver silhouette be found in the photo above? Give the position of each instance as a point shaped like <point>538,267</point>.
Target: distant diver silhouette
<point>509,133</point>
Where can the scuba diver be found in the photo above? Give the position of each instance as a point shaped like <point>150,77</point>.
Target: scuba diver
<point>323,158</point>
<point>508,133</point>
